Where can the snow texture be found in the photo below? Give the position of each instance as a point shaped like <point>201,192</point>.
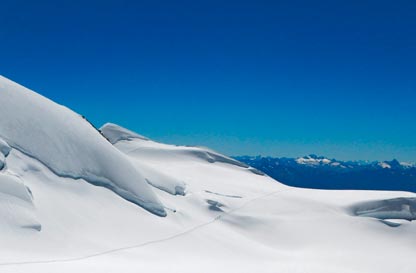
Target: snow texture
<point>2,161</point>
<point>398,208</point>
<point>115,133</point>
<point>220,216</point>
<point>68,145</point>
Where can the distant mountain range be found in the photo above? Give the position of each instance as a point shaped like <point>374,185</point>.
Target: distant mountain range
<point>319,172</point>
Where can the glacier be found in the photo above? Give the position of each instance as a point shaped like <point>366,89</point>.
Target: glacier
<point>77,199</point>
<point>68,145</point>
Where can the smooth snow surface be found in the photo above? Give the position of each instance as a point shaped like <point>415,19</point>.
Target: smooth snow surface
<point>115,133</point>
<point>68,145</point>
<point>220,215</point>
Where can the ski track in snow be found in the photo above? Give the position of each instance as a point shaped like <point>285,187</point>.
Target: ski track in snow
<point>171,237</point>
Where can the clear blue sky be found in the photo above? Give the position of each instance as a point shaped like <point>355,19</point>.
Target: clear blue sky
<point>283,78</point>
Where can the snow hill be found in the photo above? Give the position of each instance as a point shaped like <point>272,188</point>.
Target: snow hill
<point>75,199</point>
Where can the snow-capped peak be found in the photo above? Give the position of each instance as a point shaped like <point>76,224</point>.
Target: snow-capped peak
<point>407,164</point>
<point>313,160</point>
<point>384,165</point>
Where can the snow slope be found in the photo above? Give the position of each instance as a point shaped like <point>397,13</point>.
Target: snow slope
<point>221,216</point>
<point>68,145</point>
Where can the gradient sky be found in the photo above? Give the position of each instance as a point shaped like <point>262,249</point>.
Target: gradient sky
<point>280,78</point>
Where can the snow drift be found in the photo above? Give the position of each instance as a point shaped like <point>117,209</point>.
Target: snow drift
<point>68,145</point>
<point>115,133</point>
<point>397,208</point>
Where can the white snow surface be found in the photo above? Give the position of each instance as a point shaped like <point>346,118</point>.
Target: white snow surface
<point>407,164</point>
<point>68,145</point>
<point>312,161</point>
<point>384,165</point>
<point>115,133</point>
<point>230,219</point>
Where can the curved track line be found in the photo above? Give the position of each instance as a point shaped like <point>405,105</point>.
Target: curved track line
<point>168,238</point>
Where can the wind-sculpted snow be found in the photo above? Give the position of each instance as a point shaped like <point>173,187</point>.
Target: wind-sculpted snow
<point>397,208</point>
<point>137,146</point>
<point>115,133</point>
<point>68,145</point>
<point>13,186</point>
<point>141,150</point>
<point>161,181</point>
<point>16,204</point>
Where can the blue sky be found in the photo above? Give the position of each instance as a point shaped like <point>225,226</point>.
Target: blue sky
<point>284,78</point>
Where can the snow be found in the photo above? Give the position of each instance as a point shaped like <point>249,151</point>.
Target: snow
<point>68,145</point>
<point>384,165</point>
<point>2,161</point>
<point>397,208</point>
<point>227,218</point>
<point>4,151</point>
<point>13,186</point>
<point>309,160</point>
<point>16,204</point>
<point>407,164</point>
<point>115,133</point>
<point>156,178</point>
<point>4,148</point>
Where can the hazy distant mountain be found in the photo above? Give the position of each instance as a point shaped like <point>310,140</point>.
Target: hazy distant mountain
<point>323,173</point>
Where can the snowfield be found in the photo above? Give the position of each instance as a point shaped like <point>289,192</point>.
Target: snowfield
<point>73,199</point>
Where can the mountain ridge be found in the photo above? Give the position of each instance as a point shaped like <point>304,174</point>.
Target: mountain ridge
<point>320,172</point>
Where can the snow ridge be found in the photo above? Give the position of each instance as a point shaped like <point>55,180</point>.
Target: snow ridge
<point>115,133</point>
<point>46,131</point>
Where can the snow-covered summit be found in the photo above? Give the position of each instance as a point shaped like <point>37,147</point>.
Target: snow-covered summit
<point>313,160</point>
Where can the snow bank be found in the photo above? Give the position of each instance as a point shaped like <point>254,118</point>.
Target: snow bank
<point>160,180</point>
<point>141,149</point>
<point>13,186</point>
<point>212,156</point>
<point>397,208</point>
<point>115,133</point>
<point>16,204</point>
<point>68,145</point>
